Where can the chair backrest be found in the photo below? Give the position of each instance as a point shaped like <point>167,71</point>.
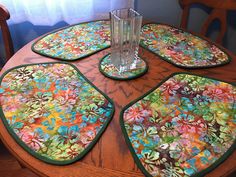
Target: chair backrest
<point>219,12</point>
<point>4,16</point>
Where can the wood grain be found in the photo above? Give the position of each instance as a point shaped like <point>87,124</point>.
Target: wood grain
<point>9,167</point>
<point>111,156</point>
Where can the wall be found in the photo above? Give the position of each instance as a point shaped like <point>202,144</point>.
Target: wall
<point>169,11</point>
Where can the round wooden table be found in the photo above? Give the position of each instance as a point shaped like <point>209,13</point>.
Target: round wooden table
<point>111,156</point>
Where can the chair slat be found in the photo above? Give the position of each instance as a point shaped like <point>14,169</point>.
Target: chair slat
<point>8,45</point>
<point>219,12</point>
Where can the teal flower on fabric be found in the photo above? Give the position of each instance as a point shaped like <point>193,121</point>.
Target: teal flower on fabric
<point>40,76</point>
<point>192,163</point>
<point>15,125</point>
<point>68,134</point>
<point>50,125</point>
<point>189,171</point>
<point>61,85</point>
<point>195,151</point>
<point>137,129</point>
<point>150,156</point>
<point>1,90</point>
<point>186,104</point>
<point>41,134</point>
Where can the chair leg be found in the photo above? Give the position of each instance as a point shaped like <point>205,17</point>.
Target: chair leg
<point>4,150</point>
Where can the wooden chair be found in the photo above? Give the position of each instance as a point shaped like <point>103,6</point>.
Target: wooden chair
<point>8,45</point>
<point>219,12</point>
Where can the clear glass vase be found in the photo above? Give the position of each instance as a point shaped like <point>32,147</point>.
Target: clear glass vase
<point>125,36</point>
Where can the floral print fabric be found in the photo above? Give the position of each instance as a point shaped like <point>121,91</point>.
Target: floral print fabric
<point>75,42</point>
<point>110,70</point>
<point>52,111</point>
<point>182,127</point>
<point>181,48</point>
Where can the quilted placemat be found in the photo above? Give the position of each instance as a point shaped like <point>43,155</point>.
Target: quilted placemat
<point>183,127</point>
<point>75,42</point>
<point>181,48</point>
<point>106,67</point>
<point>53,111</point>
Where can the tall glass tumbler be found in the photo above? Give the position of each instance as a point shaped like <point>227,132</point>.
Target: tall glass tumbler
<point>125,36</point>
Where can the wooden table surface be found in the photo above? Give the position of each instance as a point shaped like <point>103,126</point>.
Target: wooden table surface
<point>111,156</point>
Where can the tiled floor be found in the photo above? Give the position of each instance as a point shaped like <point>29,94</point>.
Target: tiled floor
<point>9,167</point>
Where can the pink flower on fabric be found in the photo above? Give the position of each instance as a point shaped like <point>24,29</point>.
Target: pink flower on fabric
<point>31,139</point>
<point>185,128</point>
<point>87,137</point>
<point>170,86</point>
<point>136,114</point>
<point>219,93</point>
